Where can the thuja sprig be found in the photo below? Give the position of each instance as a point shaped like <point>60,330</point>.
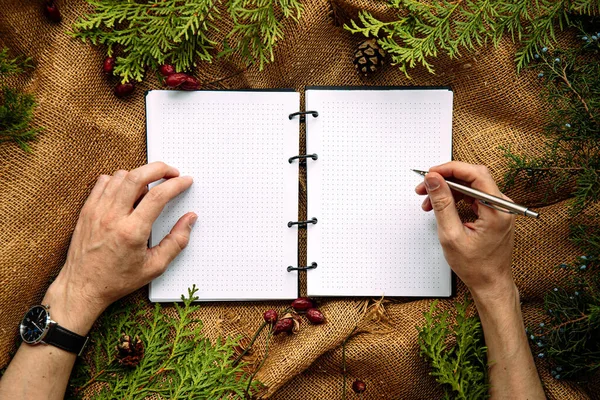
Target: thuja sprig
<point>256,27</point>
<point>461,368</point>
<point>148,33</point>
<point>16,107</point>
<point>178,362</point>
<point>16,113</point>
<point>422,29</point>
<point>12,66</point>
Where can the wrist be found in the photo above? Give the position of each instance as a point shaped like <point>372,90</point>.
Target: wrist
<point>502,292</point>
<point>69,309</point>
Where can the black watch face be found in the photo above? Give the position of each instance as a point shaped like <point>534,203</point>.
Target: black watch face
<point>35,324</point>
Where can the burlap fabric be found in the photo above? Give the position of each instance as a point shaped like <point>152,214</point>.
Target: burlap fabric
<point>90,132</point>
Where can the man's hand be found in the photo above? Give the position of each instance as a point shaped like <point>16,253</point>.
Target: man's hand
<point>109,256</point>
<point>479,252</point>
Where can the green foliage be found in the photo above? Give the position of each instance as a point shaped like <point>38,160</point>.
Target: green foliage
<point>571,157</point>
<point>147,33</point>
<point>16,112</point>
<point>16,108</point>
<point>571,338</point>
<point>423,29</point>
<point>456,352</point>
<point>179,361</point>
<point>571,164</point>
<point>12,66</point>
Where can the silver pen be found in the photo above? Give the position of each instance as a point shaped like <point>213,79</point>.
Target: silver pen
<point>489,200</point>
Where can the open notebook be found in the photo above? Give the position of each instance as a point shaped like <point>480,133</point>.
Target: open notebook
<point>367,234</point>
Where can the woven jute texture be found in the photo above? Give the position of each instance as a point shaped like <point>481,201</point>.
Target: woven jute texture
<point>89,132</point>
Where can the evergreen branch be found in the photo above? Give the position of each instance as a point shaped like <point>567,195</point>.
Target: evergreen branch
<point>422,30</point>
<point>561,73</point>
<point>571,82</point>
<point>571,339</point>
<point>540,31</point>
<point>188,366</point>
<point>16,113</point>
<point>148,33</point>
<point>460,368</point>
<point>13,66</point>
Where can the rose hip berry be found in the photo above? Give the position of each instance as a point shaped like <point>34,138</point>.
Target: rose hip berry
<point>302,304</point>
<point>190,83</point>
<point>124,89</point>
<point>270,316</point>
<point>51,11</point>
<point>359,386</point>
<point>315,316</point>
<point>108,66</point>
<point>166,70</point>
<point>176,80</point>
<point>283,325</point>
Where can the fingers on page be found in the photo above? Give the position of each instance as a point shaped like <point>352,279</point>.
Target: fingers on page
<point>136,181</point>
<point>155,200</point>
<point>172,244</point>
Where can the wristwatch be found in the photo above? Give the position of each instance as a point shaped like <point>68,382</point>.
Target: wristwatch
<point>37,327</point>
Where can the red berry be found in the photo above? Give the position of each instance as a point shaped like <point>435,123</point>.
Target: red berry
<point>283,325</point>
<point>315,316</point>
<point>124,89</point>
<point>176,80</point>
<point>359,386</point>
<point>302,304</point>
<point>166,70</point>
<point>51,11</point>
<point>270,316</point>
<point>190,83</point>
<point>109,65</point>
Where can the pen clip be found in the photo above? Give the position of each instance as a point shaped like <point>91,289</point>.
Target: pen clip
<point>495,207</point>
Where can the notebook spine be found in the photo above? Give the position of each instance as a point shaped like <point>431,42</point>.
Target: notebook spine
<point>302,159</point>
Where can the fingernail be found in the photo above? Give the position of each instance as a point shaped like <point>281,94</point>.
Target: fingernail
<point>431,183</point>
<point>425,202</point>
<point>193,220</point>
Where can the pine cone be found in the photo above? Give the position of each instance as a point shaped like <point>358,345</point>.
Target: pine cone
<point>130,351</point>
<point>368,57</point>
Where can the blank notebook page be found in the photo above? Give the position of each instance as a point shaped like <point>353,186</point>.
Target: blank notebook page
<point>236,146</point>
<point>372,237</point>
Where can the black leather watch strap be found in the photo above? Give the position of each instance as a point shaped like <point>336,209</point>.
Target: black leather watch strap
<point>65,339</point>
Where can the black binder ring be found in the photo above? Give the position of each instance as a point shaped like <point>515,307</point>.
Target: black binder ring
<point>311,266</point>
<point>302,223</point>
<point>303,156</point>
<point>302,115</point>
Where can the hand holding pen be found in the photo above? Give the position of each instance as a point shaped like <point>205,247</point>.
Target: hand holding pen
<point>489,200</point>
<point>480,253</point>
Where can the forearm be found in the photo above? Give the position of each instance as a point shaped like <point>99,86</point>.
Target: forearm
<point>42,371</point>
<point>512,371</point>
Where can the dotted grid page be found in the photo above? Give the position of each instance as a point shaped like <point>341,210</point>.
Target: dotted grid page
<point>372,237</point>
<point>236,146</point>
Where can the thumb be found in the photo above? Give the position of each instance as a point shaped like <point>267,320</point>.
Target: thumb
<point>442,203</point>
<point>162,254</point>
